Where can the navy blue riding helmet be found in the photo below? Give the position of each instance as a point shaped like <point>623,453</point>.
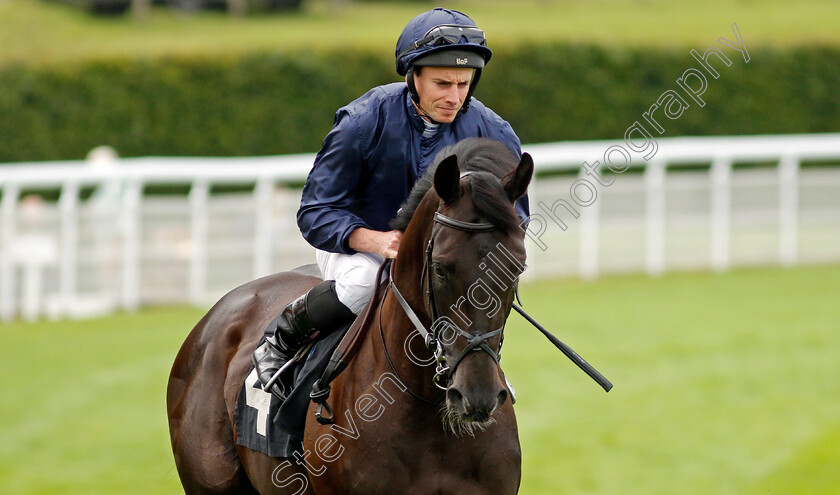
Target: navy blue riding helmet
<point>442,38</point>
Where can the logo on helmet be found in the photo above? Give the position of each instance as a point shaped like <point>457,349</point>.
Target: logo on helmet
<point>462,61</point>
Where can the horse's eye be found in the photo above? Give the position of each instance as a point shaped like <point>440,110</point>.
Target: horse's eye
<point>439,270</point>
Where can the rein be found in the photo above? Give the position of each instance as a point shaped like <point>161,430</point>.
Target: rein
<point>476,341</point>
<point>388,354</point>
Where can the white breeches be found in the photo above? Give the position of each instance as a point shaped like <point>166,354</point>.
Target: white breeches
<point>354,276</point>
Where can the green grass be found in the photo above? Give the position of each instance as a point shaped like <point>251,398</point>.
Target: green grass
<point>724,384</point>
<point>38,31</point>
<point>83,404</point>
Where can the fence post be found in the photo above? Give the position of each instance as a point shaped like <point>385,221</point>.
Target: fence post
<point>131,245</point>
<point>8,281</point>
<point>655,218</point>
<point>590,232</point>
<point>263,204</point>
<point>533,263</point>
<point>68,262</point>
<point>788,210</point>
<point>721,173</point>
<point>199,198</point>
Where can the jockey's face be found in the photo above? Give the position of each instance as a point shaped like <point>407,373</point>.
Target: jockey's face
<point>442,91</point>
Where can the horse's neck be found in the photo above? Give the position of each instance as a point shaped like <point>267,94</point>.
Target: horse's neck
<point>404,344</point>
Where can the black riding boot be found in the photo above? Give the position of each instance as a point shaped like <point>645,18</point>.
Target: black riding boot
<point>314,314</point>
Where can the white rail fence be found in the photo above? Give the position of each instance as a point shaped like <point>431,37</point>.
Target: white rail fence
<point>82,238</point>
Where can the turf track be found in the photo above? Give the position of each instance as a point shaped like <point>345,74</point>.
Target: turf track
<point>724,384</point>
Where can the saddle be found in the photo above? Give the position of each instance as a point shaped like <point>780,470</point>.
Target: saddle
<point>348,345</point>
<point>276,429</point>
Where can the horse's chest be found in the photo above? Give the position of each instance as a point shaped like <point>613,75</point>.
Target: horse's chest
<point>409,465</point>
<point>380,444</point>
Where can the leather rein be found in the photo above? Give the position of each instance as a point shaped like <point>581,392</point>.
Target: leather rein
<point>476,341</point>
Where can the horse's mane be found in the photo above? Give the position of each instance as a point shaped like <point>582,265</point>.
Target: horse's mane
<point>489,161</point>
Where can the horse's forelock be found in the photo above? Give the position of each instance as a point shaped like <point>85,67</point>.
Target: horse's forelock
<point>491,200</point>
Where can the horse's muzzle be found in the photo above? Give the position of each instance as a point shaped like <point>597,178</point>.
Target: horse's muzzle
<point>476,407</point>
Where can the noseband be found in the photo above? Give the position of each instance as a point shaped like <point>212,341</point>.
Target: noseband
<point>476,341</point>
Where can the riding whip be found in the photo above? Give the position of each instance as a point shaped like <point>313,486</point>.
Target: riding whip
<point>568,351</point>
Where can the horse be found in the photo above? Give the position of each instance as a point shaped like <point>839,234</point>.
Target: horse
<point>423,406</point>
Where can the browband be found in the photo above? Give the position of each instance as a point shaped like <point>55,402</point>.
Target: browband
<point>464,226</point>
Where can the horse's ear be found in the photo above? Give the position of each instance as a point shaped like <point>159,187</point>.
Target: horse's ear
<point>448,179</point>
<point>518,182</point>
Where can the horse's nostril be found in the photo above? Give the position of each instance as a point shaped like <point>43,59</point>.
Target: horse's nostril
<point>454,397</point>
<point>501,398</point>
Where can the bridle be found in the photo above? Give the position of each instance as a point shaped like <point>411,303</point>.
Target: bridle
<point>476,341</point>
<point>432,338</point>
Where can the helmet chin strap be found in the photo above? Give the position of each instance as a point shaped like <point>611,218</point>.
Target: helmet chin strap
<point>473,85</point>
<point>412,88</point>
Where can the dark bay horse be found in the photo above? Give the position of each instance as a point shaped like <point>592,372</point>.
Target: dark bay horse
<point>423,407</point>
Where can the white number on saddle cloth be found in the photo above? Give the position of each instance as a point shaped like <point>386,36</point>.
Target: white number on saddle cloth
<point>258,399</point>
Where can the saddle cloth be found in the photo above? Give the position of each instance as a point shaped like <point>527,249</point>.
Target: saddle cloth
<point>265,425</point>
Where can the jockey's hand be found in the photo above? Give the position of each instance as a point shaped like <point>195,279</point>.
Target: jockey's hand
<point>385,244</point>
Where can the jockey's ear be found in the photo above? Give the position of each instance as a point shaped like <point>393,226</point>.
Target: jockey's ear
<point>448,179</point>
<point>519,179</point>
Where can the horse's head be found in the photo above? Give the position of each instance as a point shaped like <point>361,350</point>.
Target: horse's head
<point>474,251</point>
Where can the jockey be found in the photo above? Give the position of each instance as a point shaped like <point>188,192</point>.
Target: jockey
<point>380,144</point>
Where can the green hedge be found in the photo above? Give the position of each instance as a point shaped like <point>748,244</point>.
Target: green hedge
<point>284,103</point>
<point>584,92</point>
